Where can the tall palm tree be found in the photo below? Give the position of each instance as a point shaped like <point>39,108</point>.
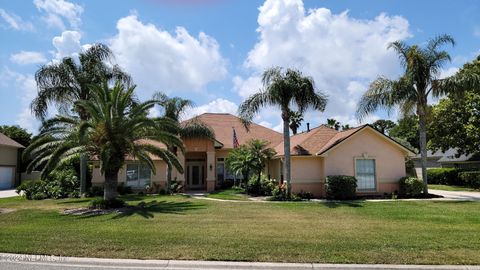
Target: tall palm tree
<point>174,108</point>
<point>422,67</point>
<point>67,81</point>
<point>296,119</point>
<point>117,127</point>
<point>283,89</point>
<point>333,123</point>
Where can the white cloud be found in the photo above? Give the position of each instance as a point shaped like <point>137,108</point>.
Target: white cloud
<point>67,44</point>
<point>448,72</point>
<point>57,10</point>
<point>28,57</point>
<point>159,60</point>
<point>343,54</point>
<point>28,91</point>
<point>218,105</point>
<point>247,87</point>
<point>14,21</point>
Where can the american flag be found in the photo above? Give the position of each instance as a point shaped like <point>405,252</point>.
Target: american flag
<point>235,139</point>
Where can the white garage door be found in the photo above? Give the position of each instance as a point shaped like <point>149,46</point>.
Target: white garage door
<point>6,177</point>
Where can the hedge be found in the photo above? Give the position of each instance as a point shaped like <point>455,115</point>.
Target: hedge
<point>471,179</point>
<point>444,176</point>
<point>341,187</point>
<point>410,187</point>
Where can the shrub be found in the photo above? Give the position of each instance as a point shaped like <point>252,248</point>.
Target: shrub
<point>60,183</point>
<point>410,187</point>
<point>279,193</point>
<point>341,187</point>
<point>227,183</point>
<point>444,176</point>
<point>32,190</point>
<point>123,189</point>
<point>95,191</point>
<point>305,195</point>
<point>471,179</point>
<point>262,187</point>
<point>101,203</point>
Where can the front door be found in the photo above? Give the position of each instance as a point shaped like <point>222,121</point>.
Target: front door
<point>196,175</point>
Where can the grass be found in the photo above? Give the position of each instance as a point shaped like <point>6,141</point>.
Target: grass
<point>450,188</point>
<point>175,227</point>
<point>236,194</point>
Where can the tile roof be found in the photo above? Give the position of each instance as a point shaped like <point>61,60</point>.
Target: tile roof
<point>317,140</point>
<point>6,141</point>
<point>222,124</point>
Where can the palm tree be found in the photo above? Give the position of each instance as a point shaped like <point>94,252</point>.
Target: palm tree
<point>331,122</point>
<point>174,108</point>
<point>346,127</point>
<point>283,89</point>
<point>260,154</point>
<point>296,119</point>
<point>117,127</point>
<point>240,162</point>
<point>422,67</point>
<point>67,81</point>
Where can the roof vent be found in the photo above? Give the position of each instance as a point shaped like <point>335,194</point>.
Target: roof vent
<point>308,127</point>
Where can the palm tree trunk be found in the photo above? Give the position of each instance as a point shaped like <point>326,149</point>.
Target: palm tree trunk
<point>169,178</point>
<point>286,150</point>
<point>423,146</point>
<point>110,186</point>
<point>83,174</point>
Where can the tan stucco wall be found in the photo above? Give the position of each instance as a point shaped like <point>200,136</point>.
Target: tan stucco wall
<point>389,159</point>
<point>307,169</point>
<point>160,177</point>
<point>8,156</point>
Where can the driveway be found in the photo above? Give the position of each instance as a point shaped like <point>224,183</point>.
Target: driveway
<point>8,193</point>
<point>41,262</point>
<point>457,195</point>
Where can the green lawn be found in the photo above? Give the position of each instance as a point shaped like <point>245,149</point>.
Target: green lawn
<point>412,232</point>
<point>236,194</point>
<point>450,188</point>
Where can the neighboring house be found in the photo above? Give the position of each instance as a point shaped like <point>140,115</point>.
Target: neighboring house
<point>376,160</point>
<point>447,159</point>
<point>9,165</point>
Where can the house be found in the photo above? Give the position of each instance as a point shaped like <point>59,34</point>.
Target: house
<point>9,164</point>
<point>375,159</point>
<point>447,159</point>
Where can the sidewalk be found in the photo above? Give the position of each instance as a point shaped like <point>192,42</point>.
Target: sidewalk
<point>41,262</point>
<point>8,193</point>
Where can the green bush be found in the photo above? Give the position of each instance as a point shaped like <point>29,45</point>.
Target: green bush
<point>341,187</point>
<point>262,187</point>
<point>410,187</point>
<point>95,191</point>
<point>123,189</point>
<point>58,184</point>
<point>471,179</point>
<point>101,203</point>
<point>279,193</point>
<point>444,176</point>
<point>305,195</point>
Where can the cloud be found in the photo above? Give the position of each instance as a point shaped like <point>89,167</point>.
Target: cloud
<point>247,87</point>
<point>28,91</point>
<point>448,72</point>
<point>14,21</point>
<point>218,105</point>
<point>159,60</point>
<point>58,10</point>
<point>343,54</point>
<point>67,44</point>
<point>28,57</point>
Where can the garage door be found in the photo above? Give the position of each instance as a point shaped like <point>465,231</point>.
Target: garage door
<point>6,177</point>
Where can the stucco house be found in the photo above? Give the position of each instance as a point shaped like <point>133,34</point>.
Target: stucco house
<point>376,160</point>
<point>8,162</point>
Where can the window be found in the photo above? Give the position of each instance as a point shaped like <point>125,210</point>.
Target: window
<point>365,174</point>
<point>138,175</point>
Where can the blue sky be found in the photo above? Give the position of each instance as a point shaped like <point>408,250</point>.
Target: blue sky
<point>213,51</point>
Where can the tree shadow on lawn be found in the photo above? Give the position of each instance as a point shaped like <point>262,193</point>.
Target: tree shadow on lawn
<point>336,204</point>
<point>148,209</point>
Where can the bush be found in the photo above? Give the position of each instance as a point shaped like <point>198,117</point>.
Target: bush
<point>101,203</point>
<point>60,183</point>
<point>123,189</point>
<point>262,187</point>
<point>471,179</point>
<point>410,187</point>
<point>95,191</point>
<point>444,176</point>
<point>227,183</point>
<point>305,195</point>
<point>341,187</point>
<point>279,193</point>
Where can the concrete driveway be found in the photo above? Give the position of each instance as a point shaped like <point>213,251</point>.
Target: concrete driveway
<point>8,193</point>
<point>457,195</point>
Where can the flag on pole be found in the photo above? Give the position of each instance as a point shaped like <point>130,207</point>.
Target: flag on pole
<point>235,139</point>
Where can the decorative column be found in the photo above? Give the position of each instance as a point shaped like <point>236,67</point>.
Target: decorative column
<point>211,169</point>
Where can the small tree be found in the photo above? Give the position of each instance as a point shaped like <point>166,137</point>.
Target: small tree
<point>384,126</point>
<point>240,162</point>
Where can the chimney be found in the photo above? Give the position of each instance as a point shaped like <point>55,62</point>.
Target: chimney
<point>308,127</point>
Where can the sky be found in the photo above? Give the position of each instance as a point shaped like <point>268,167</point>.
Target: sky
<point>214,51</point>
